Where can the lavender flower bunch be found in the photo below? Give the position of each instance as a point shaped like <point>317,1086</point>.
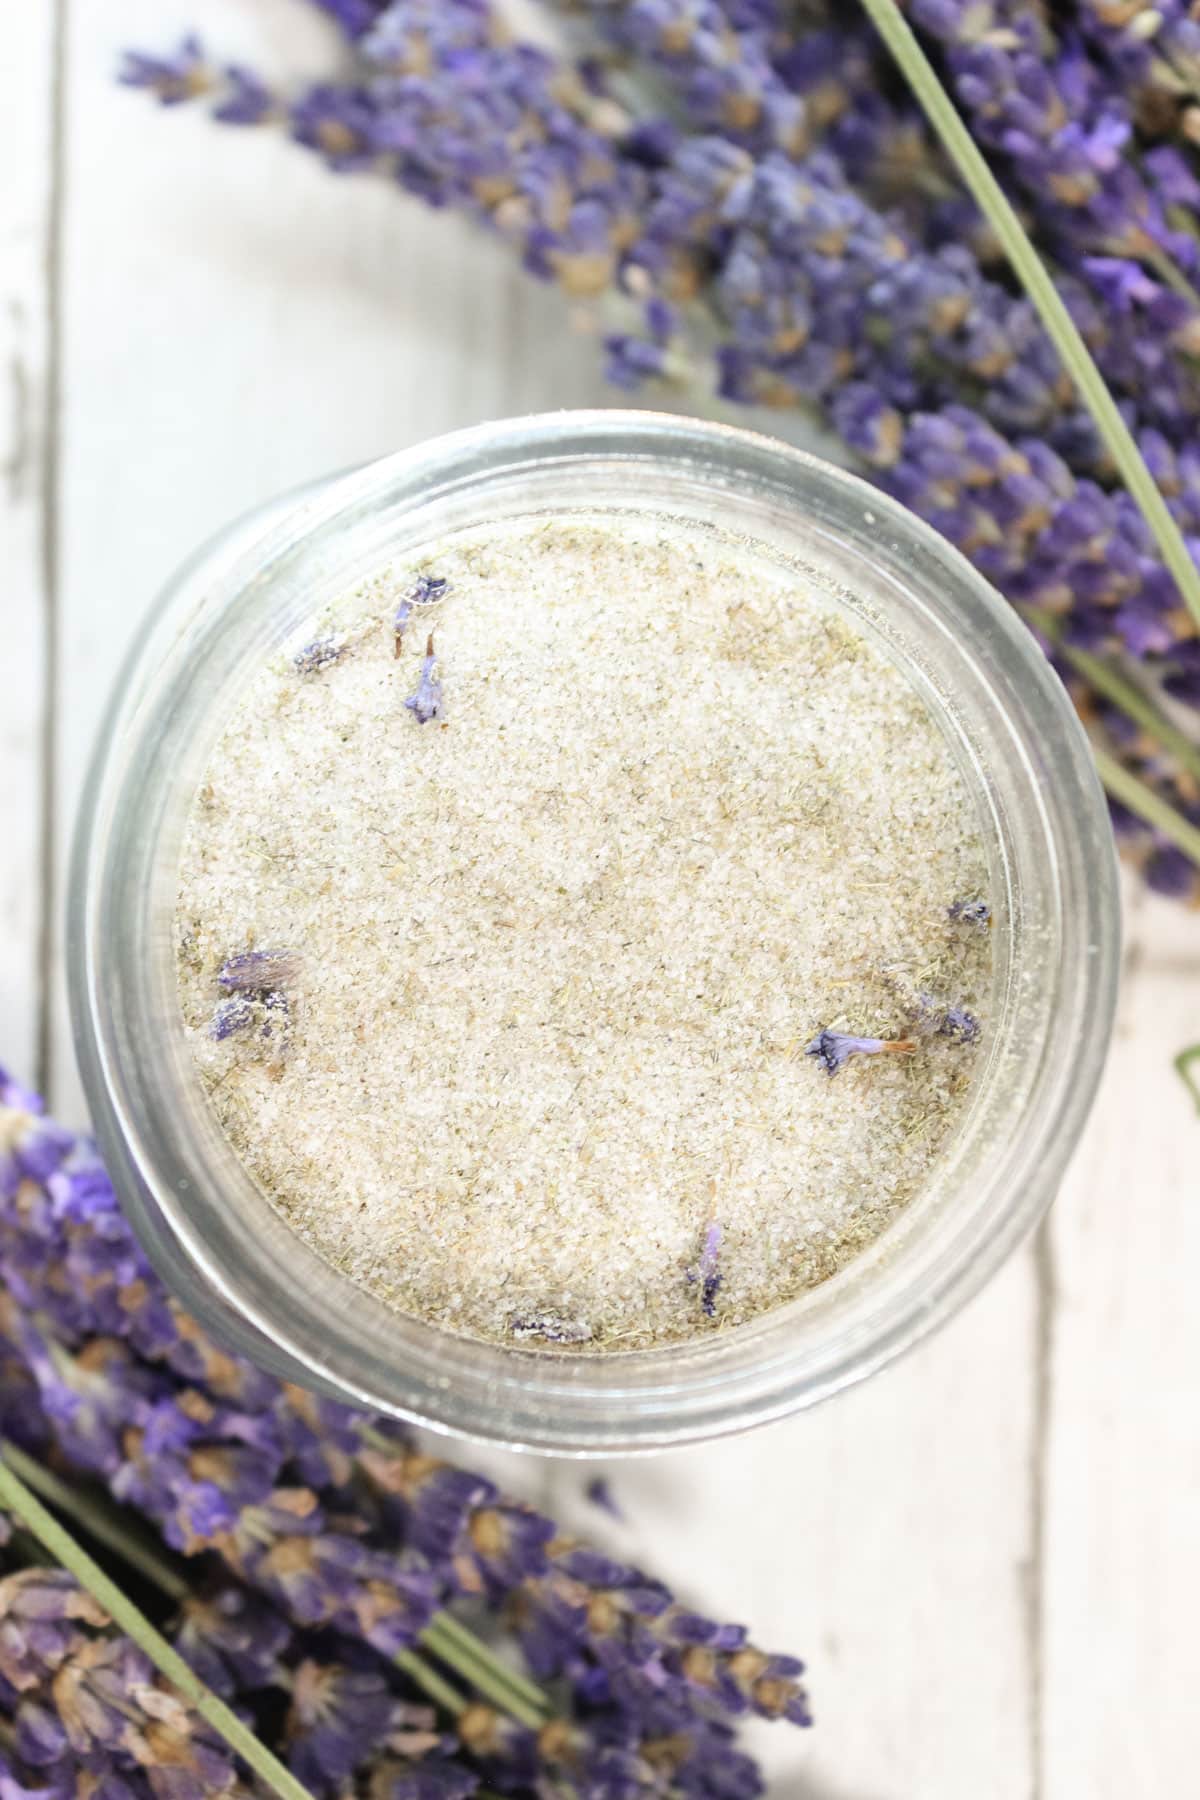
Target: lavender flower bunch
<point>387,1623</point>
<point>746,197</point>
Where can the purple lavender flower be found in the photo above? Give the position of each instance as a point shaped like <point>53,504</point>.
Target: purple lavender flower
<point>232,1639</point>
<point>171,79</point>
<point>336,1718</point>
<point>354,16</point>
<point>425,701</point>
<point>247,99</point>
<point>320,654</point>
<point>231,1015</point>
<point>258,972</point>
<point>31,1145</point>
<point>834,1048</point>
<point>706,1271</point>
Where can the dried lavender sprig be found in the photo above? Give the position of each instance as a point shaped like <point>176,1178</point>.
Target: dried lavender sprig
<point>16,1498</point>
<point>104,1524</point>
<point>452,1642</point>
<point>1065,131</point>
<point>1120,690</point>
<point>1146,804</point>
<point>833,1049</point>
<point>915,66</point>
<point>1153,48</point>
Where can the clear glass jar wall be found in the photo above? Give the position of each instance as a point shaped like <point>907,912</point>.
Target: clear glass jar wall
<point>212,1233</point>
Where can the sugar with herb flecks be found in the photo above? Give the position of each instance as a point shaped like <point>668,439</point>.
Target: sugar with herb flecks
<point>558,848</point>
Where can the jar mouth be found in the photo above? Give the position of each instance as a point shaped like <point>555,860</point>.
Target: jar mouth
<point>235,1263</point>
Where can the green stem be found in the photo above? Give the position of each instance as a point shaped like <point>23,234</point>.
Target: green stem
<point>17,1499</point>
<point>1168,272</point>
<point>1148,805</point>
<point>430,1682</point>
<point>1118,688</point>
<point>462,1651</point>
<point>1183,1066</point>
<point>897,34</point>
<point>457,1646</point>
<point>100,1518</point>
<point>453,1643</point>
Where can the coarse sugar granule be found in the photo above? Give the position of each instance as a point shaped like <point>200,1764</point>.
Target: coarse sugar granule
<point>516,892</point>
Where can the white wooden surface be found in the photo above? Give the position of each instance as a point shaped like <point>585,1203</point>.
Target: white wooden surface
<point>990,1555</point>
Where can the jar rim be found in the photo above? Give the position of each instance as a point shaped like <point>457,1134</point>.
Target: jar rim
<point>1058,863</point>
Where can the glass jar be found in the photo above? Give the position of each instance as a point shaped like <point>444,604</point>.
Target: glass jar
<point>215,1237</point>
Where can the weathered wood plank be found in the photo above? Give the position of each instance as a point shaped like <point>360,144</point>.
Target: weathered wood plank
<point>26,226</point>
<point>1122,1534</point>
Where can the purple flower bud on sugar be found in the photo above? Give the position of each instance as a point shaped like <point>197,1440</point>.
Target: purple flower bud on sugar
<point>320,654</point>
<point>706,1271</point>
<point>835,1048</point>
<point>257,971</point>
<point>231,1015</point>
<point>425,702</point>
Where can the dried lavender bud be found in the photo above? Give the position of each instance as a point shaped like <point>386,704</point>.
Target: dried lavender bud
<point>318,655</point>
<point>426,590</point>
<point>834,1049</point>
<point>971,912</point>
<point>231,1015</point>
<point>171,79</point>
<point>257,972</point>
<point>425,702</point>
<point>600,1493</point>
<point>553,1327</point>
<point>706,1271</point>
<point>959,1024</point>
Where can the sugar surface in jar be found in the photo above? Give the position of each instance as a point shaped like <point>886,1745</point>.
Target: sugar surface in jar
<point>504,996</point>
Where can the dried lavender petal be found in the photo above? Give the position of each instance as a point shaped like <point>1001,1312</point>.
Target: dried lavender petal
<point>257,971</point>
<point>428,588</point>
<point>319,654</point>
<point>425,702</point>
<point>706,1271</point>
<point>236,1013</point>
<point>971,912</point>
<point>835,1048</point>
<point>599,1492</point>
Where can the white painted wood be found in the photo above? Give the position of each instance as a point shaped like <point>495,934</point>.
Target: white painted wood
<point>1122,1505</point>
<point>235,320</point>
<point>26,54</point>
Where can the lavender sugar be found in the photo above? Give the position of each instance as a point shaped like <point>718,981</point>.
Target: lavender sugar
<point>551,855</point>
